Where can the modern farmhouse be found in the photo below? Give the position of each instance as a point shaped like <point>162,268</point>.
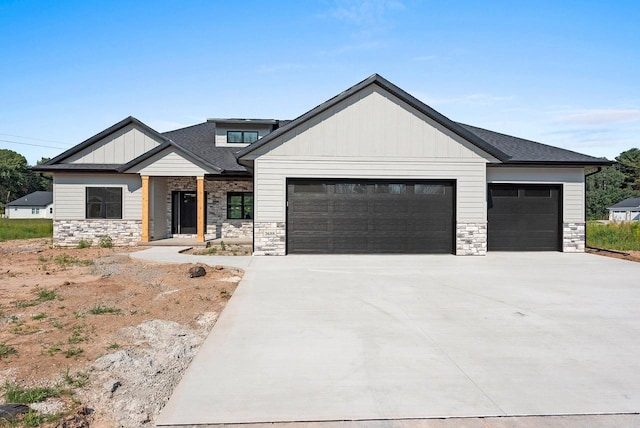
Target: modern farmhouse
<point>371,170</point>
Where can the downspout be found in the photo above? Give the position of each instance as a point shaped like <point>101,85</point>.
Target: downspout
<point>585,202</point>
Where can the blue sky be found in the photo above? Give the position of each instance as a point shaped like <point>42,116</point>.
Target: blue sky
<point>565,73</point>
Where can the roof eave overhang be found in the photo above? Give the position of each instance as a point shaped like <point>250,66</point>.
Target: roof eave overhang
<point>547,164</point>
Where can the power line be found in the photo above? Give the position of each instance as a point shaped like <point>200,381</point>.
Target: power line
<point>36,139</point>
<point>30,144</point>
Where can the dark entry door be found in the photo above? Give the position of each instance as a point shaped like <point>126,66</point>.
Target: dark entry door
<point>370,216</point>
<point>184,213</point>
<point>524,217</point>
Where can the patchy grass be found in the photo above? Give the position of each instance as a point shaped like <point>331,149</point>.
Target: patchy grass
<point>65,260</point>
<point>614,236</point>
<point>25,228</point>
<point>100,309</point>
<point>6,350</point>
<point>16,393</point>
<point>41,297</point>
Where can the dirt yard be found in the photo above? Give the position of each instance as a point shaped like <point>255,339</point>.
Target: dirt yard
<point>113,334</point>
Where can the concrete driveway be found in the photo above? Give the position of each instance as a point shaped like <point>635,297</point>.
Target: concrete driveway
<point>335,338</point>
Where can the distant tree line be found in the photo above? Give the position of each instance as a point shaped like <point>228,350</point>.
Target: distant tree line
<point>613,184</point>
<point>17,180</point>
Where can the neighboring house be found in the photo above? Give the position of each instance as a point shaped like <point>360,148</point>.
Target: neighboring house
<point>34,205</point>
<point>627,210</point>
<point>372,170</point>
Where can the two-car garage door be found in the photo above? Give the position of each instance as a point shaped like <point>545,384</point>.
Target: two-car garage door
<point>418,216</point>
<point>370,216</point>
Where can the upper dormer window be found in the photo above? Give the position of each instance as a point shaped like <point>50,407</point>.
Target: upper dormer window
<point>242,137</point>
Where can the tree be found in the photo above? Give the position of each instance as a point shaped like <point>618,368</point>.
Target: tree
<point>16,179</point>
<point>604,189</point>
<point>629,161</point>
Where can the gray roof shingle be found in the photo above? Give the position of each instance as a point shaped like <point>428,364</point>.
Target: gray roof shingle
<point>521,150</point>
<point>35,199</point>
<point>200,140</point>
<point>627,203</point>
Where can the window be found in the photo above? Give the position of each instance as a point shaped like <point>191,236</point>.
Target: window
<point>242,137</point>
<point>350,188</point>
<point>505,192</point>
<point>239,205</point>
<point>396,189</point>
<point>35,210</point>
<point>104,202</point>
<point>429,189</point>
<point>537,193</point>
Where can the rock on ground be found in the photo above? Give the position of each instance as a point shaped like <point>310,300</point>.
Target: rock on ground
<point>133,385</point>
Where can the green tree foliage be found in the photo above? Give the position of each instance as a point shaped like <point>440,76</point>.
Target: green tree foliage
<point>604,189</point>
<point>629,161</point>
<point>16,179</point>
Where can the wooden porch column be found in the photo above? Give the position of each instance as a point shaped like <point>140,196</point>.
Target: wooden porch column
<point>200,207</point>
<point>145,209</point>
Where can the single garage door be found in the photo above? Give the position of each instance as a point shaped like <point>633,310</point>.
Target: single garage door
<point>523,218</point>
<point>370,216</point>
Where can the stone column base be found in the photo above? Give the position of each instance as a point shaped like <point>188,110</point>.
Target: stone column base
<point>269,238</point>
<point>573,237</point>
<point>471,239</point>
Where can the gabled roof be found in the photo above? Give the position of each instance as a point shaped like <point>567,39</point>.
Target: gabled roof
<point>52,164</point>
<point>35,199</point>
<point>627,203</point>
<point>380,81</point>
<point>196,142</point>
<point>505,148</point>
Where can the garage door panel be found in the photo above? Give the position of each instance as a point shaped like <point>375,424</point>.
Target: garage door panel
<point>350,225</point>
<point>368,216</point>
<point>391,206</point>
<point>524,217</point>
<point>312,206</point>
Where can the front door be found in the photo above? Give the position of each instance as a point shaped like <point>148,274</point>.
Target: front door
<point>184,211</point>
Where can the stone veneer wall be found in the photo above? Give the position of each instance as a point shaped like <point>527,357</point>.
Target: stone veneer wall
<point>217,222</point>
<point>269,238</point>
<point>68,233</point>
<point>471,239</point>
<point>573,237</point>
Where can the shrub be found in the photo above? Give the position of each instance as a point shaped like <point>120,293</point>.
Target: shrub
<point>105,241</point>
<point>84,243</point>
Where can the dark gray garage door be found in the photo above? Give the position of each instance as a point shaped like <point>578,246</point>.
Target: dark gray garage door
<point>357,216</point>
<point>524,218</point>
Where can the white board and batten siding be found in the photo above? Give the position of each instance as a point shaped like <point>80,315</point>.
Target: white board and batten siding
<point>571,179</point>
<point>373,135</point>
<point>119,147</point>
<point>69,194</point>
<point>171,163</point>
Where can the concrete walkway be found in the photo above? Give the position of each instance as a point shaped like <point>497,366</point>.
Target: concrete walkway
<point>174,255</point>
<point>340,338</point>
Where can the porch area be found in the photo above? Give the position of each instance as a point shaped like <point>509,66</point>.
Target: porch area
<point>197,210</point>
